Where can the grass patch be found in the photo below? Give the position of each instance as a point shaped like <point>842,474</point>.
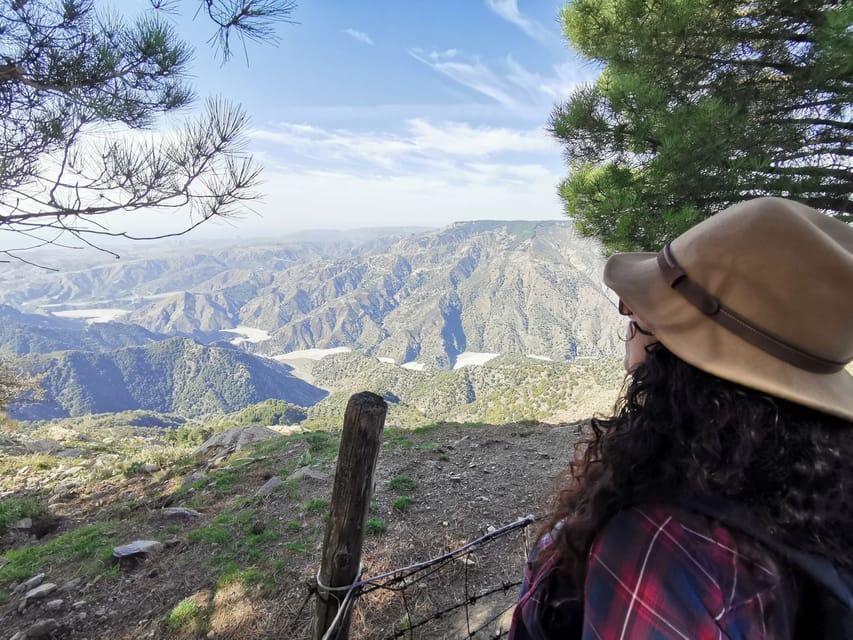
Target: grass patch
<point>94,542</point>
<point>315,506</point>
<point>134,469</point>
<point>214,534</point>
<point>188,613</point>
<point>375,527</point>
<point>401,504</point>
<point>402,483</point>
<point>297,547</point>
<point>14,509</point>
<point>292,525</point>
<point>396,438</point>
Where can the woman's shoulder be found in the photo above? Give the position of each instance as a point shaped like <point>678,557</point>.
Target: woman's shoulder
<point>684,567</point>
<point>660,534</point>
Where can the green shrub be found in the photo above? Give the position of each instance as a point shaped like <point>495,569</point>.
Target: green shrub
<point>403,483</point>
<point>375,527</point>
<point>401,504</point>
<point>134,469</point>
<point>85,543</point>
<point>315,506</point>
<point>14,509</point>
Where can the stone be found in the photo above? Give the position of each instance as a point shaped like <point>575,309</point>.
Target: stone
<point>42,629</point>
<point>307,473</point>
<point>149,467</point>
<point>71,585</point>
<point>137,548</point>
<point>30,583</point>
<point>179,513</point>
<point>269,486</point>
<point>45,445</point>
<point>40,591</point>
<point>53,605</point>
<point>234,439</point>
<point>23,523</point>
<point>193,478</point>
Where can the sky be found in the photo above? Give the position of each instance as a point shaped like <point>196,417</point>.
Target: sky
<point>385,113</point>
<point>389,113</point>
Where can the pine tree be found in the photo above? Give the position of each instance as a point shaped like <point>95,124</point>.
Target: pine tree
<point>76,85</point>
<point>703,103</point>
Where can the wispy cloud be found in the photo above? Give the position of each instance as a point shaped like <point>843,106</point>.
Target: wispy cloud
<point>360,36</point>
<point>420,143</point>
<point>512,86</point>
<point>472,74</point>
<point>508,10</point>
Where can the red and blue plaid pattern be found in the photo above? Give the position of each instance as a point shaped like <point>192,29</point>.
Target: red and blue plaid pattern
<point>661,573</point>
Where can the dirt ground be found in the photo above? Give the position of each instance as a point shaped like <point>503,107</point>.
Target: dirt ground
<point>435,491</point>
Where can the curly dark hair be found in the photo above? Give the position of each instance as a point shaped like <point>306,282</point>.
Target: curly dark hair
<point>680,433</point>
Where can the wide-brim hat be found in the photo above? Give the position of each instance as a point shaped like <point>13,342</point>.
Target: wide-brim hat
<point>760,294</point>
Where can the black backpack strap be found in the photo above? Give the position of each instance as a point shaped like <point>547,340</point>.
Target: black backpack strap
<point>827,589</point>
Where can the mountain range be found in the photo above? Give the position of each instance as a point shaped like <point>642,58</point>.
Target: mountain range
<point>419,298</point>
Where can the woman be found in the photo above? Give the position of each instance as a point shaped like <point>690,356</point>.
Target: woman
<point>718,501</point>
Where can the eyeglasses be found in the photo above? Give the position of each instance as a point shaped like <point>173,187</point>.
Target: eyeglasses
<point>635,326</point>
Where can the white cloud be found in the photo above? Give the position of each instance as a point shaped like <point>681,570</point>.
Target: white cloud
<point>514,87</point>
<point>426,173</point>
<point>360,36</point>
<point>508,10</point>
<point>420,142</point>
<point>472,74</point>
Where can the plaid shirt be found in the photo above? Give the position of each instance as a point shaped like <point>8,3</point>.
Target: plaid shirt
<point>662,573</point>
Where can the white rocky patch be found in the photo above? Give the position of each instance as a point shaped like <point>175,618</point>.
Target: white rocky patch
<point>92,315</point>
<point>247,334</point>
<point>535,357</point>
<point>413,366</point>
<point>311,354</point>
<point>386,360</point>
<point>473,358</point>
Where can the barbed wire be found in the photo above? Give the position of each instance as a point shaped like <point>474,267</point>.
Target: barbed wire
<point>400,580</point>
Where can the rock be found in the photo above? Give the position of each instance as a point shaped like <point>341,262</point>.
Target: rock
<point>53,605</point>
<point>20,635</point>
<point>45,445</point>
<point>23,523</point>
<point>40,591</point>
<point>148,467</point>
<point>307,473</point>
<point>71,471</point>
<point>41,629</point>
<point>137,547</point>
<point>269,486</point>
<point>179,513</point>
<point>31,583</point>
<point>234,439</point>
<point>69,453</point>
<point>193,478</point>
<point>71,585</point>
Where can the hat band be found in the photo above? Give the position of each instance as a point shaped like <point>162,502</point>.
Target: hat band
<point>700,298</point>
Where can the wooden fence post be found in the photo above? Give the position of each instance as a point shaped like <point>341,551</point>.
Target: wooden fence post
<point>360,441</point>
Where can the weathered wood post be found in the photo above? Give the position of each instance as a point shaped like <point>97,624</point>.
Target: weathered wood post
<point>360,442</point>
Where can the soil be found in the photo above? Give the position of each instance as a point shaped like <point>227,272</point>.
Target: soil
<point>462,482</point>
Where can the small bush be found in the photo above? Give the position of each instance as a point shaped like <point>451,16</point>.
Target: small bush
<point>401,504</point>
<point>184,613</point>
<point>14,509</point>
<point>315,506</point>
<point>375,527</point>
<point>134,469</point>
<point>403,483</point>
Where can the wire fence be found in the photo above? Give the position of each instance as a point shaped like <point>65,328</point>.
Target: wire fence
<point>467,592</point>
